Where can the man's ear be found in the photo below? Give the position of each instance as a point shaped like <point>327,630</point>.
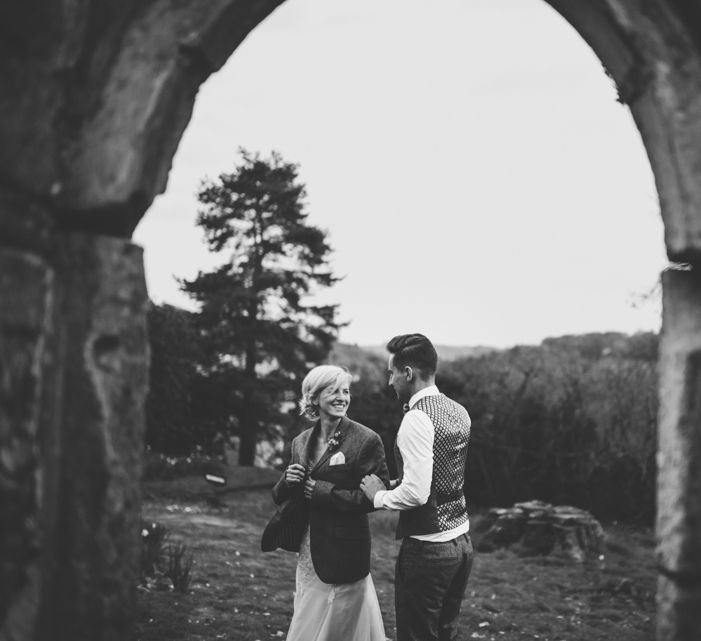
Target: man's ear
<point>409,373</point>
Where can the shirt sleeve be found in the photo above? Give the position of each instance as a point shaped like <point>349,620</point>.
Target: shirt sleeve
<point>415,443</point>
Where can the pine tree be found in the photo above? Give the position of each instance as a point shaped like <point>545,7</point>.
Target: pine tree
<point>260,330</point>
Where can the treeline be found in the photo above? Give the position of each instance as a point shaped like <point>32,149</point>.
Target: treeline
<point>181,400</point>
<point>573,421</point>
<point>570,421</point>
<point>191,409</point>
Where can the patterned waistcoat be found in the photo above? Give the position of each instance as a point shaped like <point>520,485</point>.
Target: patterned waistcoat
<point>445,508</point>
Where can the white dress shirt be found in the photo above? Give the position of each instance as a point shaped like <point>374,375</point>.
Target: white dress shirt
<point>415,443</point>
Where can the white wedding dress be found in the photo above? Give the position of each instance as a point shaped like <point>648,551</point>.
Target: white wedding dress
<point>324,612</point>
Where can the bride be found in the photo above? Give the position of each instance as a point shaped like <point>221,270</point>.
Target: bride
<point>335,597</point>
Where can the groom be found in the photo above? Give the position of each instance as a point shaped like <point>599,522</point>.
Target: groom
<point>435,557</point>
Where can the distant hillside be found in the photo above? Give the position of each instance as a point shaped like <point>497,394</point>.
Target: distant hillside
<point>445,352</point>
<point>593,345</point>
<point>354,356</point>
<point>641,345</point>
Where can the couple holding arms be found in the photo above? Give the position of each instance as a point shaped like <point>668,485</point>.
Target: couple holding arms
<point>337,475</point>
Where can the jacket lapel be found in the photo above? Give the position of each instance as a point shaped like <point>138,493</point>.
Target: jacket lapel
<point>342,427</point>
<point>306,449</point>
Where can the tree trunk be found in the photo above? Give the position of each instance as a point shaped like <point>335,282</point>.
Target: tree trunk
<point>248,423</point>
<point>540,528</point>
<point>248,431</point>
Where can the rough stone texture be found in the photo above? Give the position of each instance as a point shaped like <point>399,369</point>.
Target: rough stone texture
<point>103,303</point>
<point>651,49</point>
<point>678,611</point>
<point>95,96</point>
<point>679,454</point>
<point>73,380</point>
<point>26,293</point>
<point>540,528</point>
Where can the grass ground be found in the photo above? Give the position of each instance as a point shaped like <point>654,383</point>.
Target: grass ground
<point>238,593</point>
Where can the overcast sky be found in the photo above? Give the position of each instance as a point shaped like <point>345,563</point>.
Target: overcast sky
<point>477,178</point>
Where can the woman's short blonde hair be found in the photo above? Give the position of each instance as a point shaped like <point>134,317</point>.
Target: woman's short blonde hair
<point>317,380</point>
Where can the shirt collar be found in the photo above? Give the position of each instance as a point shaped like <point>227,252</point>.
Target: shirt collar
<point>431,390</point>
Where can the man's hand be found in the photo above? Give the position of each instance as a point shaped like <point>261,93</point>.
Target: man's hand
<point>309,487</point>
<point>371,485</point>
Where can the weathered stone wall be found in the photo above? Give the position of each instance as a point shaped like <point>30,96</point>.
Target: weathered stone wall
<point>102,298</point>
<point>652,51</point>
<point>26,323</point>
<point>95,96</point>
<point>679,459</point>
<point>73,380</point>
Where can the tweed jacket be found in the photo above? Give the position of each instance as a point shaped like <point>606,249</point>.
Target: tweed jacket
<point>337,512</point>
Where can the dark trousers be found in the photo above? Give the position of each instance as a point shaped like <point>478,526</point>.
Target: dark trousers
<point>429,584</point>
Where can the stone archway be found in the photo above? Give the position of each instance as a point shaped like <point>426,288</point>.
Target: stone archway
<point>95,96</point>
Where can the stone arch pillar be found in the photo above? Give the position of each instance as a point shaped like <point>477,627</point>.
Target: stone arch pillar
<point>652,51</point>
<point>95,96</point>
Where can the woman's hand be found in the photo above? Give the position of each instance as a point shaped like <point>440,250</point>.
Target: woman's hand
<point>294,473</point>
<point>309,487</point>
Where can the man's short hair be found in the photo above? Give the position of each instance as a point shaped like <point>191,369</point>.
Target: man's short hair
<point>415,351</point>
